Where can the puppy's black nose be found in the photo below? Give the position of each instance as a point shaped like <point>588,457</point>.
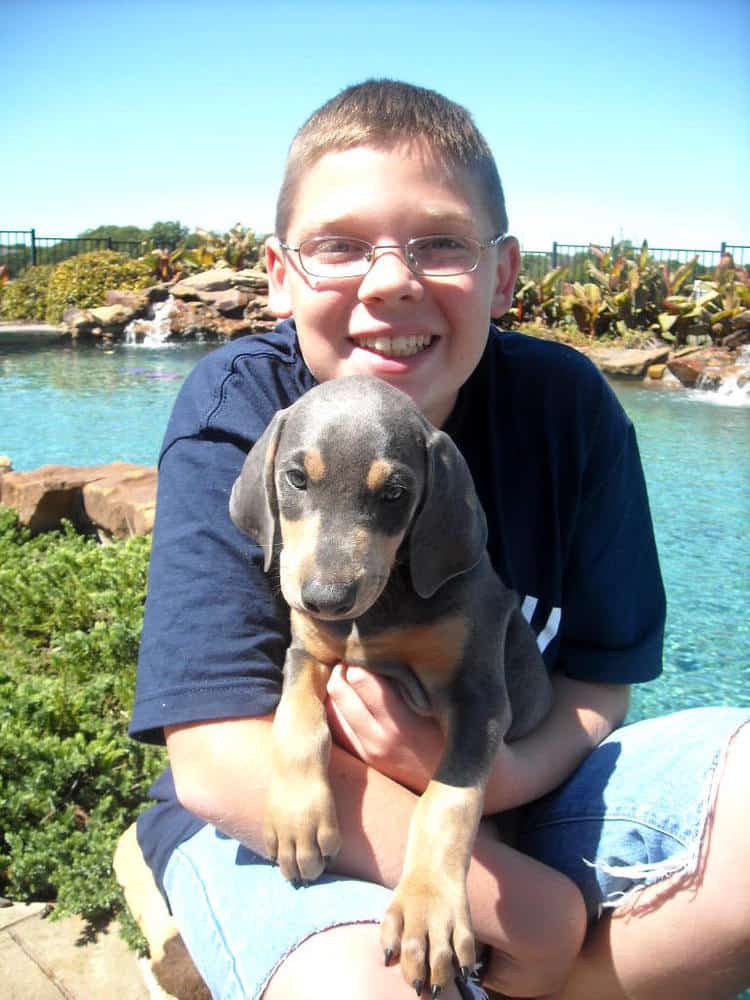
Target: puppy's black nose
<point>328,599</point>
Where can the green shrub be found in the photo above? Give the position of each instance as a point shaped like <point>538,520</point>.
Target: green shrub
<point>26,297</point>
<point>70,778</point>
<point>83,281</point>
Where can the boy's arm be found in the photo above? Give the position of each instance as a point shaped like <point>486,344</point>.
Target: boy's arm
<point>370,719</point>
<point>582,715</point>
<point>531,914</point>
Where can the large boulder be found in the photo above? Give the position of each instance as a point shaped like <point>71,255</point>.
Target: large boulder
<point>117,499</point>
<point>122,502</point>
<point>219,279</point>
<point>620,362</point>
<point>110,321</point>
<point>703,369</point>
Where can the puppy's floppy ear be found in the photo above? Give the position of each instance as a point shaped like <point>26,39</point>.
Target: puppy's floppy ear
<point>252,504</point>
<point>449,533</point>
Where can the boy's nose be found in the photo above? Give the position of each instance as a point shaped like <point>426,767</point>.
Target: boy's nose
<point>390,276</point>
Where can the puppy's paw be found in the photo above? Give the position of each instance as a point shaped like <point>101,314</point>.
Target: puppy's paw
<point>301,830</point>
<point>427,923</point>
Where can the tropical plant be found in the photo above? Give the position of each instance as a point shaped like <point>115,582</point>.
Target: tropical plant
<point>536,299</point>
<point>587,305</point>
<point>240,247</point>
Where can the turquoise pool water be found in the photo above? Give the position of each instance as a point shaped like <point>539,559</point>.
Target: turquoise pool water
<point>88,406</point>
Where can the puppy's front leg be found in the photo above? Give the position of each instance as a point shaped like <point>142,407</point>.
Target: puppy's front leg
<point>428,920</point>
<point>301,829</point>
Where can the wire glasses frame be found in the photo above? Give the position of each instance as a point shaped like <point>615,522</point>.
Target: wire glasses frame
<point>439,255</point>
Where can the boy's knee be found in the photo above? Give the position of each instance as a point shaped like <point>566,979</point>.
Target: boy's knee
<point>340,963</point>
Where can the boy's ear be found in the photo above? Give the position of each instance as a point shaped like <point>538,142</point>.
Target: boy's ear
<point>508,266</point>
<point>279,299</point>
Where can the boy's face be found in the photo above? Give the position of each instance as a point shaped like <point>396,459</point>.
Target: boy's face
<point>391,196</point>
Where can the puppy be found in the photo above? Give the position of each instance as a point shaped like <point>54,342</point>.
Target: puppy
<point>380,540</point>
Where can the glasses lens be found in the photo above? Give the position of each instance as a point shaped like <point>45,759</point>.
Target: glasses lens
<point>443,254</point>
<point>334,257</point>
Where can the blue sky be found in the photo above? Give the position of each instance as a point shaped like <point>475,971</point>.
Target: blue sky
<point>625,119</point>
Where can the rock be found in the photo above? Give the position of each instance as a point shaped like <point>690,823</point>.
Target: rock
<point>112,319</point>
<point>706,366</point>
<point>627,362</point>
<point>78,322</point>
<point>138,301</point>
<point>197,319</point>
<point>252,280</point>
<point>737,339</point>
<point>123,504</point>
<point>6,465</point>
<point>656,371</point>
<point>191,319</point>
<point>216,280</point>
<point>185,293</point>
<point>231,302</point>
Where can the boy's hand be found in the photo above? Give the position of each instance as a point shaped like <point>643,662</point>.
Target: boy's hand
<point>368,718</point>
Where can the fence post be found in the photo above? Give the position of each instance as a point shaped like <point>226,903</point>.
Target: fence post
<point>33,246</point>
<point>723,249</point>
<point>554,254</point>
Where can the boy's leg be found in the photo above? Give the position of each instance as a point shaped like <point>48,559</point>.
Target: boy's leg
<point>675,794</point>
<point>252,934</point>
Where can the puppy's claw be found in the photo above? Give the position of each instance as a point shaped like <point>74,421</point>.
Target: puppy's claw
<point>436,991</point>
<point>388,954</point>
<point>465,973</point>
<point>418,986</point>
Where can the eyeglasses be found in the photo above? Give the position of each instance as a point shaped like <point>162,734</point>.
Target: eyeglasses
<point>438,256</point>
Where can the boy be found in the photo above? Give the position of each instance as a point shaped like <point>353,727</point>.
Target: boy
<point>390,255</point>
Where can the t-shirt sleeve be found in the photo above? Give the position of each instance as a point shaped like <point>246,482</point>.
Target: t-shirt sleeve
<point>215,628</point>
<point>612,625</point>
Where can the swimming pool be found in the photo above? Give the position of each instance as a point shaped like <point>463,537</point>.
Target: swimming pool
<point>89,406</point>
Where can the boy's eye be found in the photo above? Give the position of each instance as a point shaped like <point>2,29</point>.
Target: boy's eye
<point>443,252</point>
<point>334,249</point>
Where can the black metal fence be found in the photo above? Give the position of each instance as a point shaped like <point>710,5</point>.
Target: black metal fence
<point>21,248</point>
<point>573,256</point>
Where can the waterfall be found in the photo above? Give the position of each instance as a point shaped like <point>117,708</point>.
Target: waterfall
<point>733,389</point>
<point>152,332</point>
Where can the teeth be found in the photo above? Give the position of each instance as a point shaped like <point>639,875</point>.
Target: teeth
<point>399,347</point>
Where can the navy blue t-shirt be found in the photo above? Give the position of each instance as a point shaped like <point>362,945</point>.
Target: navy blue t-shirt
<point>556,467</point>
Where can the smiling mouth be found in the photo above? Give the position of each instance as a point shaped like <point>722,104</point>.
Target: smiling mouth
<point>396,347</point>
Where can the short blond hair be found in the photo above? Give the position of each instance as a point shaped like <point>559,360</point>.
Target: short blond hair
<point>382,114</point>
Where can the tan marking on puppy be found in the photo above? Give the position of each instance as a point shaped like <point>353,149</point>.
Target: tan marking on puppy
<point>315,467</point>
<point>300,722</point>
<point>378,474</point>
<point>316,639</point>
<point>432,651</point>
<point>299,539</point>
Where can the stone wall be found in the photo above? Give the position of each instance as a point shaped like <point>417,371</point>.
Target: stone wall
<point>114,501</point>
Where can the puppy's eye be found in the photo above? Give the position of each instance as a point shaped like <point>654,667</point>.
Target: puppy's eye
<point>392,492</point>
<point>297,479</point>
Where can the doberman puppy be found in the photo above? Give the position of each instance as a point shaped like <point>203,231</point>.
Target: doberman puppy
<point>381,543</point>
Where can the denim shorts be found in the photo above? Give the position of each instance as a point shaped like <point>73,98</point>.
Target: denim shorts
<point>633,813</point>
